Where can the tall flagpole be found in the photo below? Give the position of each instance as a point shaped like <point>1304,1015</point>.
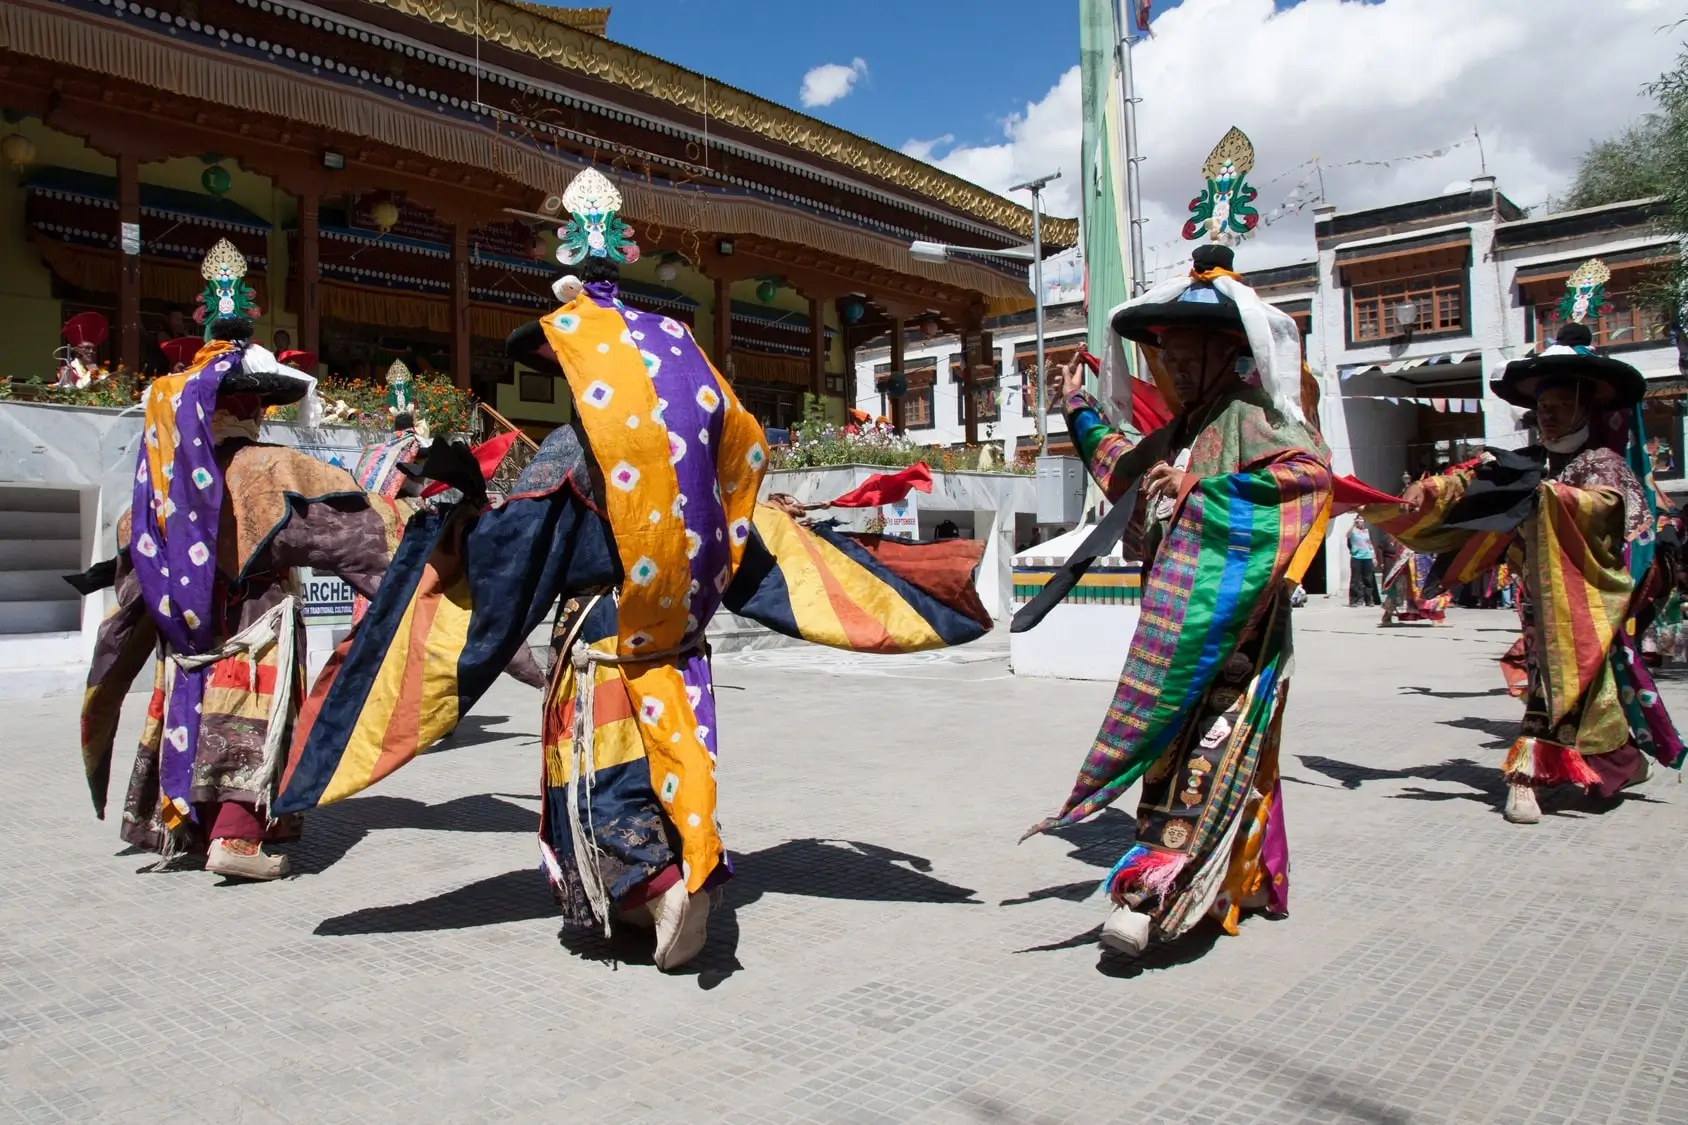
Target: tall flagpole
<point>1128,115</point>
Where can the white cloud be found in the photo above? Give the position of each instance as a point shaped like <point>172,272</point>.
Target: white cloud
<point>828,82</point>
<point>1347,81</point>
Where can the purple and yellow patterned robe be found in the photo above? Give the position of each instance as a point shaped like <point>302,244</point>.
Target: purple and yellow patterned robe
<point>1200,701</point>
<point>281,509</point>
<point>644,524</point>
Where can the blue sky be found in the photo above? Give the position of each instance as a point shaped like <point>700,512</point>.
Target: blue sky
<point>988,90</point>
<point>934,67</point>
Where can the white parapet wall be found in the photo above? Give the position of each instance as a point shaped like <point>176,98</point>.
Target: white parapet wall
<point>66,475</point>
<point>1086,635</point>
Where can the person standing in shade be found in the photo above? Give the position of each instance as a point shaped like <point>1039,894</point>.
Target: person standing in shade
<point>1362,566</point>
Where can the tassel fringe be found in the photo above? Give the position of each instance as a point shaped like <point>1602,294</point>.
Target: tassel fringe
<point>1534,761</point>
<point>1149,870</point>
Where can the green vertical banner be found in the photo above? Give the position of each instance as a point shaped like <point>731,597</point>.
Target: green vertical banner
<point>1102,167</point>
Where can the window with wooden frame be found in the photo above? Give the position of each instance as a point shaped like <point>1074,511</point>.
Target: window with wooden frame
<point>1622,320</point>
<point>984,391</point>
<point>1439,297</point>
<point>1056,355</point>
<point>922,374</point>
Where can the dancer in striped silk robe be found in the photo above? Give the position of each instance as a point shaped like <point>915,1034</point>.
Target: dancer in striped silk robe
<point>1232,522</point>
<point>1577,521</point>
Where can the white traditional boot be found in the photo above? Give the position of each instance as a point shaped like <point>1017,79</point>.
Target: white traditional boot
<point>682,925</point>
<point>1521,804</point>
<point>1126,931</point>
<point>245,859</point>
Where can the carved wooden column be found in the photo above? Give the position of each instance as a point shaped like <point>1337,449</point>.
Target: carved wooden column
<point>817,347</point>
<point>897,323</point>
<point>460,303</point>
<point>310,315</point>
<point>129,265</point>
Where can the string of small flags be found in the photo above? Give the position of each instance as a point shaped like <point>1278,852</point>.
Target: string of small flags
<point>1440,405</point>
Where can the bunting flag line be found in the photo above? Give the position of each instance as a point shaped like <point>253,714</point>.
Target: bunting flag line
<point>1440,405</point>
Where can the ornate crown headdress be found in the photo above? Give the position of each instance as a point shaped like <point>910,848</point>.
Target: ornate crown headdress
<point>226,298</point>
<point>1222,210</point>
<point>1585,292</point>
<point>594,229</point>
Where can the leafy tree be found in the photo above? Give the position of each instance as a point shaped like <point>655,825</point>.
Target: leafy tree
<point>1631,165</point>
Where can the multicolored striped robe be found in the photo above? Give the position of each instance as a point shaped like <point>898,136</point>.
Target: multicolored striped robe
<point>1199,703</point>
<point>1588,691</point>
<point>673,534</point>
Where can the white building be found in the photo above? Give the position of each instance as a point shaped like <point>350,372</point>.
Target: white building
<point>1404,392</point>
<point>932,408</point>
<point>1400,392</point>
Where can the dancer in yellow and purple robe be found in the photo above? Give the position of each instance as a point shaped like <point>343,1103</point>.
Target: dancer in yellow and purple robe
<point>643,520</point>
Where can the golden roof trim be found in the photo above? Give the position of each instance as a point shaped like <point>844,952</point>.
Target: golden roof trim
<point>593,21</point>
<point>543,38</point>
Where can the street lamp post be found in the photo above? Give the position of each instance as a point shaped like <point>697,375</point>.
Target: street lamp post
<point>939,252</point>
<point>1036,188</point>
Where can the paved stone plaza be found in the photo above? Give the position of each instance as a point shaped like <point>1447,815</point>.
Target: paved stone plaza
<point>887,953</point>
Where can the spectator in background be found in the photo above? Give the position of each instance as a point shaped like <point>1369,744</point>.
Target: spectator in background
<point>1362,566</point>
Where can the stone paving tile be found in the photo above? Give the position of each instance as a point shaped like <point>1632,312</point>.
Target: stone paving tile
<point>887,952</point>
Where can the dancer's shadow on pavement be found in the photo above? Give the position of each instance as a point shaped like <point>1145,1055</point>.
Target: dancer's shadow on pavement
<point>1409,690</point>
<point>1486,784</point>
<point>1099,841</point>
<point>478,730</point>
<point>839,869</point>
<point>333,831</point>
<point>816,868</point>
<point>1462,771</point>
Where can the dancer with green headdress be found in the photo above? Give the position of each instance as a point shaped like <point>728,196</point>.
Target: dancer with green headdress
<point>1576,514</point>
<point>1238,486</point>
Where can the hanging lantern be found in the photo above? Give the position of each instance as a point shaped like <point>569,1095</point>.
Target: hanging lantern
<point>767,291</point>
<point>929,328</point>
<point>851,309</point>
<point>216,180</point>
<point>667,271</point>
<point>17,150</point>
<point>385,214</point>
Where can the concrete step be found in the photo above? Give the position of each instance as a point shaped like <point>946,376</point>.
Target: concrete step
<point>40,525</point>
<point>41,616</point>
<point>62,555</point>
<point>36,585</point>
<point>22,498</point>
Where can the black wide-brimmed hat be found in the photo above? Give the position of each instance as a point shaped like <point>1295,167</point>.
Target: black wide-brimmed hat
<point>275,388</point>
<point>1199,306</point>
<point>1612,383</point>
